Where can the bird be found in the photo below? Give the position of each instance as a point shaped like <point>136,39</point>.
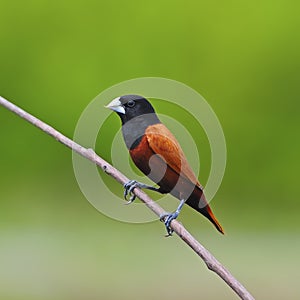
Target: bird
<point>157,153</point>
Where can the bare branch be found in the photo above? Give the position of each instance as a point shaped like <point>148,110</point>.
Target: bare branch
<point>211,262</point>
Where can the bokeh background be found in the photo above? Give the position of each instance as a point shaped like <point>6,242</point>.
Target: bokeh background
<point>243,57</point>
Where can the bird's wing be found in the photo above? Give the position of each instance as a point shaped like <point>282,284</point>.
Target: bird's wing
<point>163,143</point>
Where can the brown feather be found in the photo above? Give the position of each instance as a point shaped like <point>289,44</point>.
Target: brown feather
<point>169,168</point>
<point>163,142</point>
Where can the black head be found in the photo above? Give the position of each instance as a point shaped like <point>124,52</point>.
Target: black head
<point>129,107</point>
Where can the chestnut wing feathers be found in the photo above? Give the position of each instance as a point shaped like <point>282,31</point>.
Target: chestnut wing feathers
<point>163,142</point>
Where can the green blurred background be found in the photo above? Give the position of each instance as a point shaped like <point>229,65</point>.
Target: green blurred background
<point>243,57</point>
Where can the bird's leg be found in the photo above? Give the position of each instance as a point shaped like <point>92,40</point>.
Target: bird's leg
<point>131,185</point>
<point>171,216</point>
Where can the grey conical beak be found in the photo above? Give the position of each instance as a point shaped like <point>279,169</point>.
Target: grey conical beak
<point>116,106</point>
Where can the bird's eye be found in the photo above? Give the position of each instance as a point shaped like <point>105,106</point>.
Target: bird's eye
<point>130,103</point>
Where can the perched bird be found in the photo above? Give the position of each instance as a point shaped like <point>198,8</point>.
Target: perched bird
<point>157,153</point>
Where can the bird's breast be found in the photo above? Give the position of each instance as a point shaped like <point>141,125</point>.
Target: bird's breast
<point>155,167</point>
<point>141,155</point>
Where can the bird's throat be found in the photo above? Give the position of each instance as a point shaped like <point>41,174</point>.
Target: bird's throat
<point>133,130</point>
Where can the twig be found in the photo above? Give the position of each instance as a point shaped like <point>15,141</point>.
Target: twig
<point>211,262</point>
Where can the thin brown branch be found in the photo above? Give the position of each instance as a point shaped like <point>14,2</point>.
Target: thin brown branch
<point>211,262</point>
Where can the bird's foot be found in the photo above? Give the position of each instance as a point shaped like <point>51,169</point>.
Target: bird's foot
<point>128,190</point>
<point>167,218</point>
<point>131,185</point>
